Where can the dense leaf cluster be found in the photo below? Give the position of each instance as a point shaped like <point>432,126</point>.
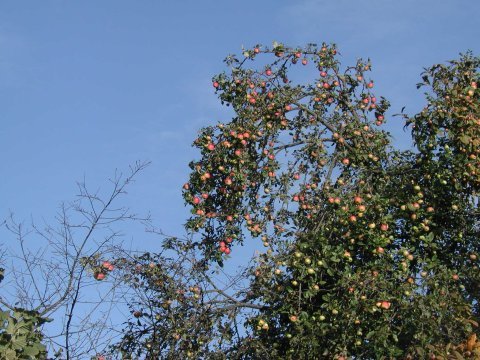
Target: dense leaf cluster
<point>370,252</point>
<point>20,337</point>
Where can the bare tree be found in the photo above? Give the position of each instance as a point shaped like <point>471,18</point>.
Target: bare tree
<point>56,270</point>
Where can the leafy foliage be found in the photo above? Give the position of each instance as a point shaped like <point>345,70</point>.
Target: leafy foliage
<point>370,252</point>
<point>20,337</point>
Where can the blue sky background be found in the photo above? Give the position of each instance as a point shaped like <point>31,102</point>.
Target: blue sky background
<point>87,87</point>
<point>90,86</point>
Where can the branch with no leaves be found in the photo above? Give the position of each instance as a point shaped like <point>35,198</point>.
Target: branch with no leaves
<point>50,273</point>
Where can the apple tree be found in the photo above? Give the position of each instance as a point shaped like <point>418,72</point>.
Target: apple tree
<point>369,252</point>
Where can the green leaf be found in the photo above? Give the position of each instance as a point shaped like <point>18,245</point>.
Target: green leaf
<point>32,350</point>
<point>420,351</point>
<point>465,139</point>
<point>19,343</point>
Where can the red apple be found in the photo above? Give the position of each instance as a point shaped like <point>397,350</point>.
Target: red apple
<point>99,276</point>
<point>385,305</point>
<point>108,266</point>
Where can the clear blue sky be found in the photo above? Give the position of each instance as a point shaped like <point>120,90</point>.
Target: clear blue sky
<point>90,86</point>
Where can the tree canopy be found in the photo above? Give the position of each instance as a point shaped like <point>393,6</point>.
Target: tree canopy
<point>370,251</point>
